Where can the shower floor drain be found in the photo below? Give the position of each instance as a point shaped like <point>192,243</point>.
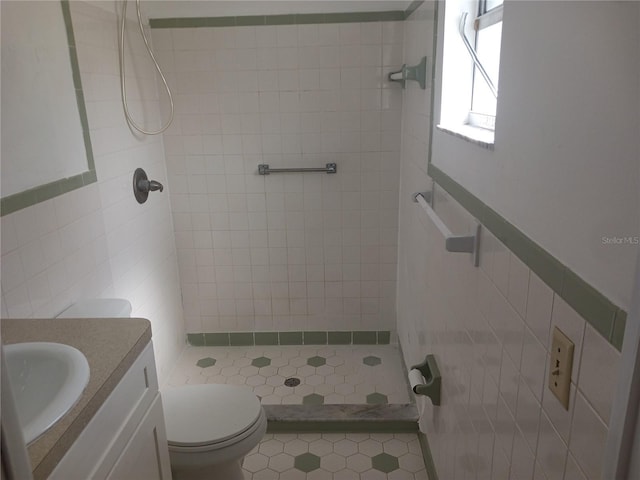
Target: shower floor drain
<point>292,382</point>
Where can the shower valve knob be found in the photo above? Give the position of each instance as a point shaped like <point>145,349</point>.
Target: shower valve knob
<point>151,185</point>
<point>142,185</point>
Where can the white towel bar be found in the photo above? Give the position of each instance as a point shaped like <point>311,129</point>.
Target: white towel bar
<point>453,243</point>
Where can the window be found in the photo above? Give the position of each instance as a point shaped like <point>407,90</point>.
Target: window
<point>470,67</point>
<point>488,28</point>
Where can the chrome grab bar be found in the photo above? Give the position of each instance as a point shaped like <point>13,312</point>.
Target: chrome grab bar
<point>264,169</point>
<point>453,243</point>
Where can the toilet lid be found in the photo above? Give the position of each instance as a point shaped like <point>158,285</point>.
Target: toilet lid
<point>205,414</point>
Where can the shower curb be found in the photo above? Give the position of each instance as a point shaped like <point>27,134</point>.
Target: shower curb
<point>348,418</point>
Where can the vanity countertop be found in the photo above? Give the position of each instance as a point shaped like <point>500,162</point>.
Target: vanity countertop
<point>111,345</point>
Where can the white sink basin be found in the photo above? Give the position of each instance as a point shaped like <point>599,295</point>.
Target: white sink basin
<point>47,379</point>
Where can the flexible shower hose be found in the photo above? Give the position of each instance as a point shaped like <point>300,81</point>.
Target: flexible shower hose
<point>123,85</point>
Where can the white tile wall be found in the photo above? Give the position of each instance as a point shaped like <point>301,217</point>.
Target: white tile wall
<point>285,252</point>
<point>491,372</point>
<point>489,328</point>
<point>97,241</point>
<point>598,372</point>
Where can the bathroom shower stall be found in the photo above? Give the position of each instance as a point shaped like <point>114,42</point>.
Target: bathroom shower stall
<point>284,252</point>
<point>283,162</point>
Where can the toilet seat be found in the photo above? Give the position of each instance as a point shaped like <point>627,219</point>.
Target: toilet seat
<point>210,417</point>
<point>218,446</point>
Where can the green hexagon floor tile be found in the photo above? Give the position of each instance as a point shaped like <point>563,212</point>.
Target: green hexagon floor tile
<point>313,399</point>
<point>261,362</point>
<point>206,362</point>
<point>372,361</point>
<point>316,361</point>
<point>385,463</point>
<point>307,462</point>
<point>377,399</point>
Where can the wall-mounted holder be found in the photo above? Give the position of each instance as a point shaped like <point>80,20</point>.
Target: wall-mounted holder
<point>430,373</point>
<point>417,72</point>
<point>453,243</point>
<point>142,185</point>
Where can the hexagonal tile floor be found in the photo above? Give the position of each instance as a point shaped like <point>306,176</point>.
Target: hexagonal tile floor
<point>328,374</point>
<point>340,456</point>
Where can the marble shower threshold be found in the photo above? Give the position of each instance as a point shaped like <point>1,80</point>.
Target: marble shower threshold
<point>354,418</point>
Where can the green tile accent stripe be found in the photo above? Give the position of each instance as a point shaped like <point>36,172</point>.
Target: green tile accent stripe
<point>250,20</point>
<point>340,338</point>
<point>605,316</point>
<point>18,201</point>
<point>365,338</point>
<point>427,457</point>
<point>266,338</point>
<point>434,55</point>
<point>618,329</point>
<point>291,19</point>
<point>216,339</point>
<point>280,19</point>
<point>241,339</point>
<point>290,338</point>
<point>412,8</point>
<point>226,339</point>
<point>195,339</point>
<point>589,303</point>
<point>384,338</point>
<point>314,338</point>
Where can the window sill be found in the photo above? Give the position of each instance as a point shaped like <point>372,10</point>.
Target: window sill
<point>478,136</point>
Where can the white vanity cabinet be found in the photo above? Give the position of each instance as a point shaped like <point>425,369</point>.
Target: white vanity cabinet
<point>126,438</point>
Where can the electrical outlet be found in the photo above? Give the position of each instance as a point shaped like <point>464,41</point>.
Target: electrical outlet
<point>560,366</point>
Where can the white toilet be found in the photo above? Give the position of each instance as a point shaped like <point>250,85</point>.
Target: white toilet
<point>210,428</point>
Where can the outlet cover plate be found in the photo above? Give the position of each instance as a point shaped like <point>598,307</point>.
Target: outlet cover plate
<point>560,367</point>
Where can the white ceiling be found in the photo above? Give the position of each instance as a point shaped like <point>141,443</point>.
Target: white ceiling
<point>215,8</point>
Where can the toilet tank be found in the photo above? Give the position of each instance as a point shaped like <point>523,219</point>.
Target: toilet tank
<point>98,308</point>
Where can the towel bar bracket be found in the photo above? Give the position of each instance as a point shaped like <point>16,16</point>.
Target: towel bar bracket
<point>462,243</point>
<point>425,195</point>
<point>466,243</point>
